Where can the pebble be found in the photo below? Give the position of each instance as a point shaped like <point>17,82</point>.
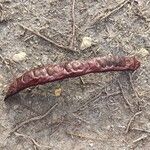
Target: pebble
<point>91,144</point>
<point>19,56</point>
<point>16,107</point>
<point>58,92</point>
<point>143,52</point>
<point>86,43</point>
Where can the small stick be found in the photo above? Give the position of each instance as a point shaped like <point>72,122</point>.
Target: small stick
<point>132,85</point>
<point>33,119</point>
<point>105,16</point>
<point>131,121</point>
<point>87,137</point>
<point>137,129</point>
<point>140,130</point>
<point>73,25</point>
<point>82,81</point>
<point>79,118</point>
<point>1,13</point>
<point>135,142</point>
<point>140,14</point>
<point>45,38</point>
<point>33,140</point>
<point>80,136</point>
<point>135,91</point>
<point>140,138</point>
<point>28,38</point>
<point>123,94</point>
<point>96,98</point>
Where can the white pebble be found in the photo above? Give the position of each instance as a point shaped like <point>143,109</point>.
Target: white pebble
<point>143,52</point>
<point>19,56</point>
<point>16,107</point>
<point>86,43</point>
<point>91,144</point>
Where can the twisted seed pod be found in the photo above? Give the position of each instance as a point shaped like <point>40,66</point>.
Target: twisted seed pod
<point>51,73</point>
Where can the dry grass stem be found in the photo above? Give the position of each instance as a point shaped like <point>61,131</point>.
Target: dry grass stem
<point>102,17</point>
<point>45,38</point>
<point>123,94</point>
<point>131,121</point>
<point>33,119</point>
<point>33,141</point>
<point>73,25</point>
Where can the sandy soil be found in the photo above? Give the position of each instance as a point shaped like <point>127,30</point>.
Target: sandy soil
<point>106,111</point>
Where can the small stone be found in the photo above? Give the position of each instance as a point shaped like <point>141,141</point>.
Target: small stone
<point>19,56</point>
<point>58,91</point>
<point>16,107</point>
<point>91,144</point>
<point>143,52</point>
<point>86,43</point>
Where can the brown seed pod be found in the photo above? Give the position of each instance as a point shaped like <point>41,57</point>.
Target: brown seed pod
<point>51,73</point>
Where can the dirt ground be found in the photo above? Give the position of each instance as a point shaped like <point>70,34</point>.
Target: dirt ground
<point>108,111</point>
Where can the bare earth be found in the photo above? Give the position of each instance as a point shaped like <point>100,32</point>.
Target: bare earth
<point>108,111</point>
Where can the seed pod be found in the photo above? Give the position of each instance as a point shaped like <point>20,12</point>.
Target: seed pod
<point>51,73</point>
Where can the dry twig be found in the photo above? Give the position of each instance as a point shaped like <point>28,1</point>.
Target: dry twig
<point>135,142</point>
<point>33,140</point>
<point>73,25</point>
<point>131,121</point>
<point>79,135</point>
<point>1,13</point>
<point>140,138</point>
<point>113,10</point>
<point>95,99</point>
<point>140,130</point>
<point>123,94</point>
<point>28,38</point>
<point>137,129</point>
<point>45,38</point>
<point>87,137</point>
<point>82,81</point>
<point>33,119</point>
<point>83,120</point>
<point>132,85</point>
<point>138,12</point>
<point>135,91</point>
